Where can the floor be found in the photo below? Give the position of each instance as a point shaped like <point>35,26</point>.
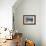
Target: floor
<point>8,43</point>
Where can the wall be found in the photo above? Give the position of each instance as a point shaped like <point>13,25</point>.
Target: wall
<point>43,22</point>
<point>6,13</point>
<point>6,16</point>
<point>28,7</point>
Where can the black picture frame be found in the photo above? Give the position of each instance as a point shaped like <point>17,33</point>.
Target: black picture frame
<point>29,19</point>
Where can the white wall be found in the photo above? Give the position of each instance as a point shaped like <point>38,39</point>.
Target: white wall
<point>6,13</point>
<point>43,22</point>
<point>29,7</point>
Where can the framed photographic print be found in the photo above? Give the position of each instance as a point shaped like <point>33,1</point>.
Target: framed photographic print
<point>29,19</point>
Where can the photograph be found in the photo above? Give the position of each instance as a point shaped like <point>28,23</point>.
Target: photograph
<point>29,19</point>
